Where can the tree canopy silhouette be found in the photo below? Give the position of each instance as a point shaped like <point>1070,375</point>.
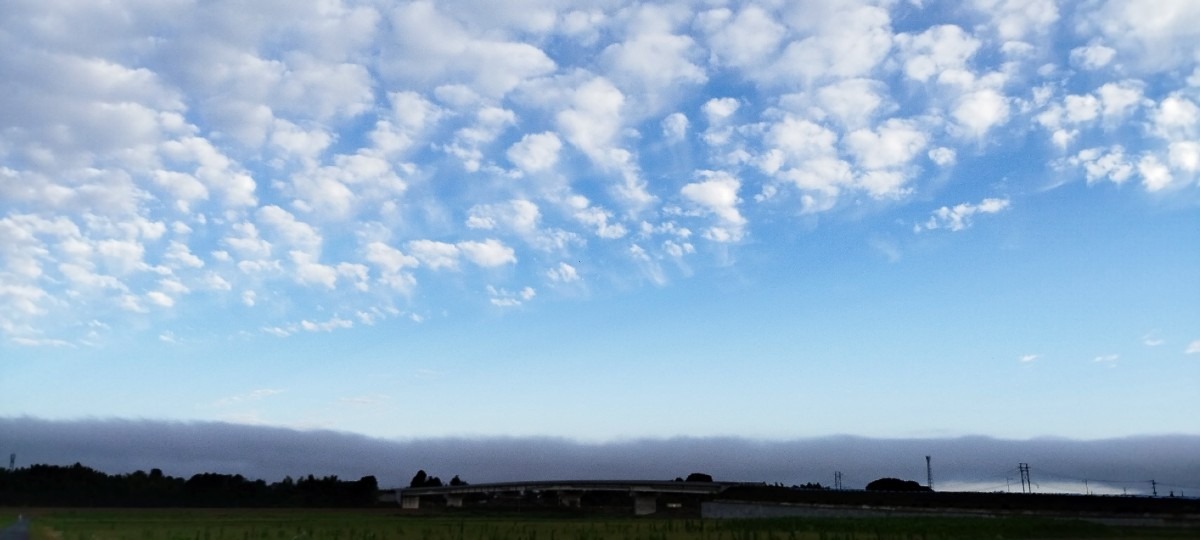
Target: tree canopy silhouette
<point>895,484</point>
<point>77,485</point>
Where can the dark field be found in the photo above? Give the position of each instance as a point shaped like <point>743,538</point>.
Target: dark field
<point>293,524</point>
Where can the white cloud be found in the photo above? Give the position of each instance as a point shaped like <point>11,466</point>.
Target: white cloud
<point>1079,109</point>
<point>488,253</point>
<point>434,255</point>
<point>745,40</point>
<point>675,127</point>
<point>290,231</point>
<point>1100,163</point>
<point>297,142</point>
<point>1029,358</point>
<point>653,62</point>
<point>798,140</point>
<point>1158,39</point>
<point>718,109</point>
<point>1091,57</point>
<point>716,192</point>
<point>392,263</point>
<point>852,102</point>
<point>1193,348</point>
<point>1176,117</point>
<point>490,122</point>
<point>518,215</point>
<point>431,48</point>
<point>936,50</point>
<point>122,257</point>
<point>598,218</point>
<point>535,152</point>
<point>980,111</point>
<point>160,298</point>
<point>1015,20</point>
<point>336,323</point>
<point>245,241</point>
<point>1108,359</point>
<point>340,190</point>
<point>943,156</point>
<point>1185,156</point>
<point>960,216</point>
<point>718,112</point>
<point>182,256</point>
<point>848,40</point>
<point>1120,98</point>
<point>311,272</point>
<point>504,298</point>
<point>1155,175</point>
<point>593,124</point>
<point>894,144</point>
<point>563,273</point>
<point>255,147</point>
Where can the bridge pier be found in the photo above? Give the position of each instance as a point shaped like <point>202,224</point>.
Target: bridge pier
<point>410,503</point>
<point>454,500</point>
<point>645,504</point>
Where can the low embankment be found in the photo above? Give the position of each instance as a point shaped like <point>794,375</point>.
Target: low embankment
<point>768,502</point>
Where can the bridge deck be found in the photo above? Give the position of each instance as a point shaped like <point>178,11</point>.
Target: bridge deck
<point>630,486</point>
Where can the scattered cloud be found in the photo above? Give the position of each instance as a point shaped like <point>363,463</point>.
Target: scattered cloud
<point>513,138</point>
<point>1027,358</point>
<point>506,299</point>
<point>563,273</point>
<point>960,216</point>
<point>1193,348</point>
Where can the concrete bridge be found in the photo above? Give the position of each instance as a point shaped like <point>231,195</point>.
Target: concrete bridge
<point>570,493</point>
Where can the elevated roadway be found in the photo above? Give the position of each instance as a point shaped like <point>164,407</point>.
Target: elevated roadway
<point>570,493</point>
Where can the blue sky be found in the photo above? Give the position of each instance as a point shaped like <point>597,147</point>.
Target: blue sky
<point>604,220</point>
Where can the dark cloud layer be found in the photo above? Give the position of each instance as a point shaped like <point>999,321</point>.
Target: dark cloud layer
<point>183,449</point>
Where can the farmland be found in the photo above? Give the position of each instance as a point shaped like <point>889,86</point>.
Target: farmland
<point>293,524</point>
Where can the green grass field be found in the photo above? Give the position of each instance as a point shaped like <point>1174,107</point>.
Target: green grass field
<point>298,524</point>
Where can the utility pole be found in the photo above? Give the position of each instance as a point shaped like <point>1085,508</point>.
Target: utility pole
<point>1026,483</point>
<point>928,473</point>
<point>12,461</point>
<point>1154,488</point>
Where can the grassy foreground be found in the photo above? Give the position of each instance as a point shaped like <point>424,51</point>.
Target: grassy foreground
<point>296,524</point>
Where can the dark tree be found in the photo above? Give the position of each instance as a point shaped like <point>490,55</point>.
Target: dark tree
<point>456,481</point>
<point>52,485</point>
<point>419,479</point>
<point>810,485</point>
<point>699,477</point>
<point>895,484</point>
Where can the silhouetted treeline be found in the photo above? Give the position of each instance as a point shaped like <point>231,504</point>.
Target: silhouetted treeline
<point>77,485</point>
<point>896,484</point>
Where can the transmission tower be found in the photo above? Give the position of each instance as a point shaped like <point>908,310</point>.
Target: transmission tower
<point>1026,483</point>
<point>12,461</point>
<point>837,480</point>
<point>928,473</point>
